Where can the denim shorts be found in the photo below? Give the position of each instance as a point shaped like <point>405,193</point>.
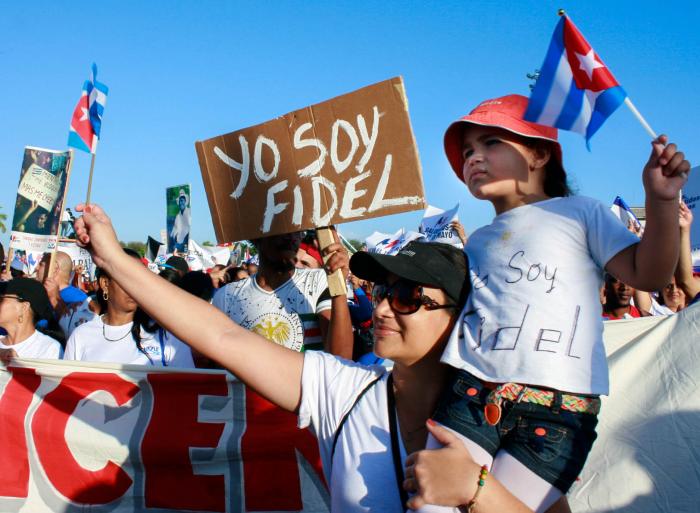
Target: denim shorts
<point>551,442</point>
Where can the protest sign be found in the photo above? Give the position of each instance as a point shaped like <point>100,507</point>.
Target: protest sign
<point>178,217</point>
<point>199,257</point>
<point>80,257</point>
<point>40,196</point>
<point>349,158</point>
<point>385,244</point>
<point>436,225</point>
<point>691,197</point>
<point>124,438</point>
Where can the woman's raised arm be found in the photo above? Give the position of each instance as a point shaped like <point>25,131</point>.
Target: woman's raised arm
<point>270,369</point>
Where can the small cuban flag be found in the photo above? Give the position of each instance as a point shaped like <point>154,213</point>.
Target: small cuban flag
<point>87,117</point>
<point>575,91</point>
<point>624,213</point>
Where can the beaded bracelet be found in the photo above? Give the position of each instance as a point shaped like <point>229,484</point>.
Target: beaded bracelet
<point>482,481</point>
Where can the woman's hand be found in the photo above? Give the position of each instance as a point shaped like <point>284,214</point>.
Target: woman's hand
<point>446,476</point>
<point>666,170</point>
<point>94,231</point>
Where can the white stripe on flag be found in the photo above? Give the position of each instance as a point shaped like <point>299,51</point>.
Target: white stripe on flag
<point>584,117</point>
<point>558,94</point>
<point>97,96</point>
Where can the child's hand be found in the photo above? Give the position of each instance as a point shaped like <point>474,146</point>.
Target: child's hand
<point>666,171</point>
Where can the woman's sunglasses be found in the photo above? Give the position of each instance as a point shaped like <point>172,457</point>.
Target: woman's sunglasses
<point>405,297</point>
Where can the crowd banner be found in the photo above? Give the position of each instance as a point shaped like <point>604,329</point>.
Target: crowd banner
<point>691,196</point>
<point>43,183</point>
<point>100,437</point>
<point>349,158</point>
<point>178,217</point>
<point>386,244</point>
<point>435,225</point>
<point>646,455</point>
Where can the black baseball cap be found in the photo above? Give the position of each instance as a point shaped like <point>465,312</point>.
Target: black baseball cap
<point>428,263</point>
<point>178,263</point>
<point>31,291</point>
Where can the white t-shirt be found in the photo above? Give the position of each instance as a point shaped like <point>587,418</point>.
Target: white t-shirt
<point>534,314</point>
<point>75,316</point>
<point>362,476</point>
<point>95,341</point>
<point>287,315</point>
<point>37,345</point>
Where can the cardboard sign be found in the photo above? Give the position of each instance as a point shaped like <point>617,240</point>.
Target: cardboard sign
<point>40,186</point>
<point>349,158</point>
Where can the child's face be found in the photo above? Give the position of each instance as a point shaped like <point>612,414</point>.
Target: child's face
<point>497,164</point>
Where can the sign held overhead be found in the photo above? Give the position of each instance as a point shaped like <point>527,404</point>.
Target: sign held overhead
<point>349,158</point>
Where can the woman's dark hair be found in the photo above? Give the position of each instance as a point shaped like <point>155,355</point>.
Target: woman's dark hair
<point>555,182</point>
<point>198,284</point>
<point>141,318</point>
<point>232,272</point>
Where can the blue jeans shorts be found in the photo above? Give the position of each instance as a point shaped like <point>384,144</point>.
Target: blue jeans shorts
<point>551,442</point>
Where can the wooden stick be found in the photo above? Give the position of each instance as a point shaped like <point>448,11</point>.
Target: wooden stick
<point>640,118</point>
<point>92,167</point>
<point>336,281</point>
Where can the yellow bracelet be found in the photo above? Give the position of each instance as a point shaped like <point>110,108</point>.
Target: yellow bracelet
<point>482,481</point>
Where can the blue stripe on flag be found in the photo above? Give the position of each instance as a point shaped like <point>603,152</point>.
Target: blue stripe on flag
<point>75,141</point>
<point>606,104</point>
<point>543,86</point>
<point>571,109</point>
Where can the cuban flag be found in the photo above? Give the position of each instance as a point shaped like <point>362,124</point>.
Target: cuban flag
<point>575,90</point>
<point>87,116</point>
<point>624,213</point>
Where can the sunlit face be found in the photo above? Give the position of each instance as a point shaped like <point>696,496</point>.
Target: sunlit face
<point>407,339</point>
<point>617,293</point>
<point>674,297</point>
<point>306,261</point>
<point>119,301</point>
<point>496,162</point>
<point>11,308</point>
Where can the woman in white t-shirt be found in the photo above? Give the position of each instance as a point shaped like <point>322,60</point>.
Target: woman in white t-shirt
<point>23,303</point>
<point>366,421</point>
<point>120,334</point>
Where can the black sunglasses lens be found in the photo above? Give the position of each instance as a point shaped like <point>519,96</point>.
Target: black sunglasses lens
<point>405,297</point>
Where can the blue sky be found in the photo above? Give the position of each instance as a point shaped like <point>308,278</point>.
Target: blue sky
<point>185,71</point>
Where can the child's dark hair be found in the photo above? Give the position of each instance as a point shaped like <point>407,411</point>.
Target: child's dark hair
<point>555,182</point>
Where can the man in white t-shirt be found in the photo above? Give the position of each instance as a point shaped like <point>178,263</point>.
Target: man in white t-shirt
<point>288,306</point>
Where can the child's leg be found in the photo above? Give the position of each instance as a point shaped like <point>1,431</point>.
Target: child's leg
<point>535,492</point>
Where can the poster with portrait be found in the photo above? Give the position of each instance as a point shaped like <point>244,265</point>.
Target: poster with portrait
<point>178,217</point>
<point>43,183</point>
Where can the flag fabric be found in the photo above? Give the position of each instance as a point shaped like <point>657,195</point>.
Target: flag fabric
<point>87,117</point>
<point>624,213</point>
<point>575,90</point>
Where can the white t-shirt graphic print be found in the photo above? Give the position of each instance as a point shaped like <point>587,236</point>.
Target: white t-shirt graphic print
<point>534,315</point>
<point>287,315</point>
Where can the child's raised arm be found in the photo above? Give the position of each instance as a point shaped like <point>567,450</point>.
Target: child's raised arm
<point>649,265</point>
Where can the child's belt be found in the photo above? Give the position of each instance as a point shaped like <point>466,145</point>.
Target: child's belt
<point>524,394</point>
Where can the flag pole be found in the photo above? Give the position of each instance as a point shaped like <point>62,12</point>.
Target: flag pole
<point>89,188</point>
<point>640,118</point>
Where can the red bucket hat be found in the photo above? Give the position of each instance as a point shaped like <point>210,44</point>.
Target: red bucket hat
<point>505,112</point>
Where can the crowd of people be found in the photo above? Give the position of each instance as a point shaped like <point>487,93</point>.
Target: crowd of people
<point>493,358</point>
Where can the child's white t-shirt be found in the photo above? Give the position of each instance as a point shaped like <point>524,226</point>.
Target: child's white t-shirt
<point>534,314</point>
<point>37,345</point>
